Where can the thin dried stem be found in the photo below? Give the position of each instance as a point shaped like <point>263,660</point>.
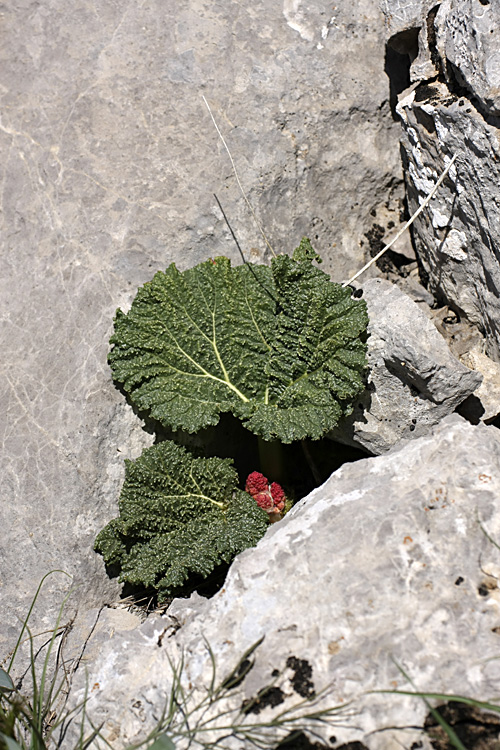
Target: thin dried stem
<point>406,226</point>
<point>238,179</point>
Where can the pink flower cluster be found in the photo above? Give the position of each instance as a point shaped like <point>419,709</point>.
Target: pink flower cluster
<point>269,497</point>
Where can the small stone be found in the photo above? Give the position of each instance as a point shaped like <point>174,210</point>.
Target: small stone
<point>414,381</point>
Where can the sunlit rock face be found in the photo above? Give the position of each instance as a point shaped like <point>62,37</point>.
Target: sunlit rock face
<point>451,109</point>
<point>413,379</point>
<point>110,164</point>
<point>392,564</point>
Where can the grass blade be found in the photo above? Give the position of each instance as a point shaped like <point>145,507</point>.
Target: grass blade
<point>25,621</point>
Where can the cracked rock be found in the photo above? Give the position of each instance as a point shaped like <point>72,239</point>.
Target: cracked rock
<point>458,236</point>
<point>109,165</point>
<point>414,381</point>
<point>468,40</point>
<point>386,564</point>
<point>452,108</point>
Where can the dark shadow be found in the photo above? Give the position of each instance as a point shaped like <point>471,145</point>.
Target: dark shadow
<point>494,421</point>
<point>306,464</point>
<point>476,729</point>
<point>391,261</point>
<point>299,741</point>
<point>147,598</point>
<point>471,409</point>
<point>229,439</point>
<point>345,430</point>
<point>400,51</point>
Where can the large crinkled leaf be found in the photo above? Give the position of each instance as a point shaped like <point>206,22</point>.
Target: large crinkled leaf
<point>179,516</point>
<point>280,347</point>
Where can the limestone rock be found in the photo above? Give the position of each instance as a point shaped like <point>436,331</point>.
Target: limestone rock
<point>468,38</point>
<point>459,40</point>
<point>457,239</point>
<point>460,335</point>
<point>410,35</point>
<point>414,381</point>
<point>488,392</point>
<point>103,623</point>
<point>110,161</point>
<point>451,109</point>
<point>402,15</point>
<point>393,561</point>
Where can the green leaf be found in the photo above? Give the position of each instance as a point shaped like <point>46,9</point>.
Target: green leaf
<point>6,683</point>
<point>281,347</point>
<point>179,516</point>
<point>162,743</point>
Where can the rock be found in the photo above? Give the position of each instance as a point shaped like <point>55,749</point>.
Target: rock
<point>452,109</point>
<point>488,393</point>
<point>73,470</point>
<point>411,286</point>
<point>110,164</point>
<point>414,381</point>
<point>456,241</point>
<point>409,33</point>
<point>468,39</point>
<point>460,335</point>
<point>103,623</point>
<point>402,16</point>
<point>393,564</point>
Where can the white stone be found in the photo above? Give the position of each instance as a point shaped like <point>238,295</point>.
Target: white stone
<point>393,576</point>
<point>414,381</point>
<point>454,245</point>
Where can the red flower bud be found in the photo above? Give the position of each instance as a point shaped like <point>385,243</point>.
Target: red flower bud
<point>277,493</point>
<point>269,498</point>
<point>256,482</point>
<point>264,501</point>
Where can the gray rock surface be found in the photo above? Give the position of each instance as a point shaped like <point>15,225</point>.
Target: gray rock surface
<point>458,240</point>
<point>109,165</point>
<point>488,392</point>
<point>468,38</point>
<point>458,40</point>
<point>408,23</point>
<point>414,381</point>
<point>452,109</point>
<point>386,564</point>
<point>402,15</point>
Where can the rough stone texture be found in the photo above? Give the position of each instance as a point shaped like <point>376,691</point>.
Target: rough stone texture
<point>458,238</point>
<point>456,39</point>
<point>488,392</point>
<point>387,563</point>
<point>452,108</point>
<point>109,166</point>
<point>468,39</point>
<point>460,335</point>
<point>407,25</point>
<point>103,624</point>
<point>403,15</point>
<point>414,380</point>
<point>411,33</point>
